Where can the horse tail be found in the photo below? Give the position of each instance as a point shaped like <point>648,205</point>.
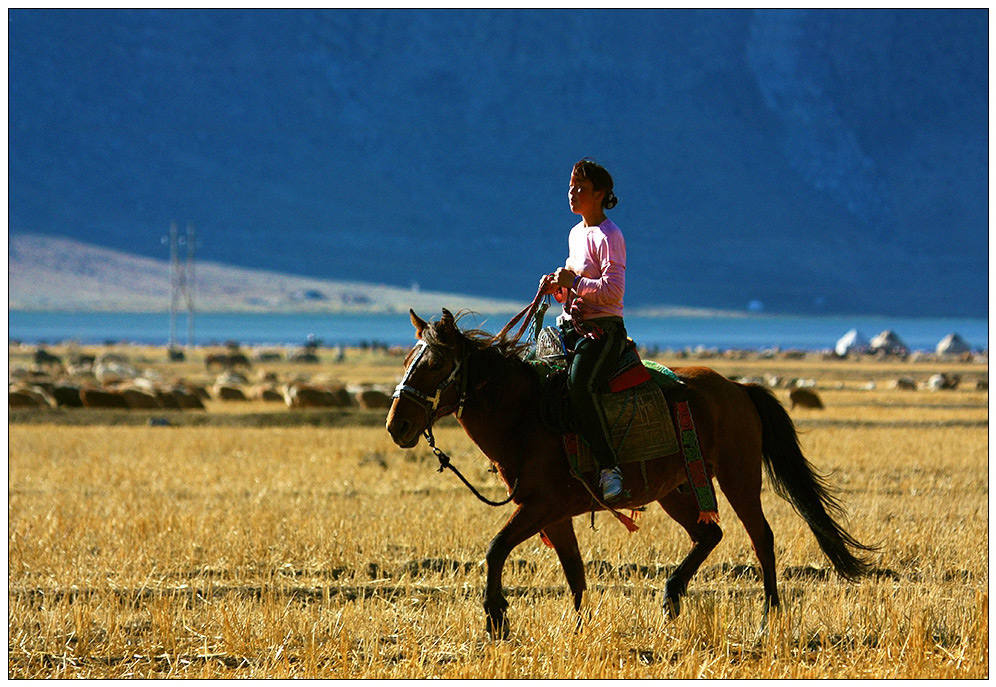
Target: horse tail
<point>798,482</point>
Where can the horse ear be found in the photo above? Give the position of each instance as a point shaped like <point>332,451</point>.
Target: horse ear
<point>418,323</point>
<point>448,325</point>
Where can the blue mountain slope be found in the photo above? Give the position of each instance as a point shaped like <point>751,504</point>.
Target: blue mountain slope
<point>830,161</point>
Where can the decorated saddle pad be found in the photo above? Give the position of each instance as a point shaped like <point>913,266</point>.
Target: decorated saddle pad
<point>641,428</point>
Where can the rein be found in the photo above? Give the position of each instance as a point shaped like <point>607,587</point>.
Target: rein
<point>444,462</point>
<point>527,313</point>
<point>430,404</point>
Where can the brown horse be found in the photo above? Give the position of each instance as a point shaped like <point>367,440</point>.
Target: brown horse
<point>497,398</point>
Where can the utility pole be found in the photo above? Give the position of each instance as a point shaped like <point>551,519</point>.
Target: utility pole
<point>181,285</point>
<point>189,284</point>
<point>174,284</point>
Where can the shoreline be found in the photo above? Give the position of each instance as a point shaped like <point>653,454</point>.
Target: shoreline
<point>678,329</point>
<point>506,308</point>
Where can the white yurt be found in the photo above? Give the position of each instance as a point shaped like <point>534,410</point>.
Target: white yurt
<point>952,344</point>
<point>852,342</point>
<point>888,342</point>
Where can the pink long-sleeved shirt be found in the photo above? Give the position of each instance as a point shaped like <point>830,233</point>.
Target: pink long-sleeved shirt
<point>598,255</point>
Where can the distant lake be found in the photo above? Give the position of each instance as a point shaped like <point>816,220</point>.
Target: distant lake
<point>754,332</point>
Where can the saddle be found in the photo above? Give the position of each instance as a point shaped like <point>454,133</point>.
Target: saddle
<point>629,372</point>
<point>633,399</point>
<point>637,409</point>
<point>639,415</point>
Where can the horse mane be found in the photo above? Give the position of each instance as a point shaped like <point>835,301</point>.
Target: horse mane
<point>478,338</point>
<point>492,357</point>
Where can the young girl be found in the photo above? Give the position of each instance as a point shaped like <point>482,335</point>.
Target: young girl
<point>591,286</point>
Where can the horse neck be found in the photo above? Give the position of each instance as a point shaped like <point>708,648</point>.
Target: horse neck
<point>501,405</point>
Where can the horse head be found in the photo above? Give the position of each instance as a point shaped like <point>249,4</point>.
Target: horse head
<point>433,384</point>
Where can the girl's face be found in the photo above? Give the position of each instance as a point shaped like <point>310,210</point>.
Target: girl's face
<point>584,199</point>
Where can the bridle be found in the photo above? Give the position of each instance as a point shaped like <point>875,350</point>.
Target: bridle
<point>430,404</point>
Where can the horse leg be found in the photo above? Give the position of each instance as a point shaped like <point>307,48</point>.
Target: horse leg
<point>744,495</point>
<point>565,543</point>
<point>524,523</point>
<point>705,536</point>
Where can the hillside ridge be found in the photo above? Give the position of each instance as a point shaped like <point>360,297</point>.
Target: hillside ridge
<point>51,273</point>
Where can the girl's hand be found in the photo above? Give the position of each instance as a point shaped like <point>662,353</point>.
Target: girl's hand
<point>547,284</point>
<point>564,277</point>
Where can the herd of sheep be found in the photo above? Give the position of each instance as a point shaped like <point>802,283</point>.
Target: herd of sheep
<point>110,381</point>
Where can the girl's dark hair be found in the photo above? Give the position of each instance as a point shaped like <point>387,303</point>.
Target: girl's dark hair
<point>600,180</point>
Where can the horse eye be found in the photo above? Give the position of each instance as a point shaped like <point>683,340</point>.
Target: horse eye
<point>434,363</point>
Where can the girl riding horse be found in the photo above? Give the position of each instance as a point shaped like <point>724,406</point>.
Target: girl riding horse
<point>591,285</point>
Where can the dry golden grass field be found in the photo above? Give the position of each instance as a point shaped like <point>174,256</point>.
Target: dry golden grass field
<point>253,541</point>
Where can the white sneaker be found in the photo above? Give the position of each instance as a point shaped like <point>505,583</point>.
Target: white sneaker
<point>611,483</point>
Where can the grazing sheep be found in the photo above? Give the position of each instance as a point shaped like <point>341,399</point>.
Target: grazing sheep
<point>942,380</point>
<point>304,396</point>
<point>187,399</point>
<point>110,370</point>
<point>231,378</point>
<point>805,398</point>
<point>167,399</point>
<point>26,398</point>
<point>101,398</point>
<point>44,359</point>
<point>307,356</point>
<point>372,399</point>
<point>67,396</point>
<point>226,361</point>
<point>225,392</point>
<point>266,392</point>
<point>140,399</point>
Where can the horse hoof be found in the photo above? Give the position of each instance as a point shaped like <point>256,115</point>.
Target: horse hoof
<point>672,607</point>
<point>497,629</point>
<point>579,624</point>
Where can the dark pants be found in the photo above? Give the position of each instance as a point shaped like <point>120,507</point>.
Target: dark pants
<point>594,359</point>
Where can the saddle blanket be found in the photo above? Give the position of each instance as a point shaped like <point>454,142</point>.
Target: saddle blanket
<point>641,428</point>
